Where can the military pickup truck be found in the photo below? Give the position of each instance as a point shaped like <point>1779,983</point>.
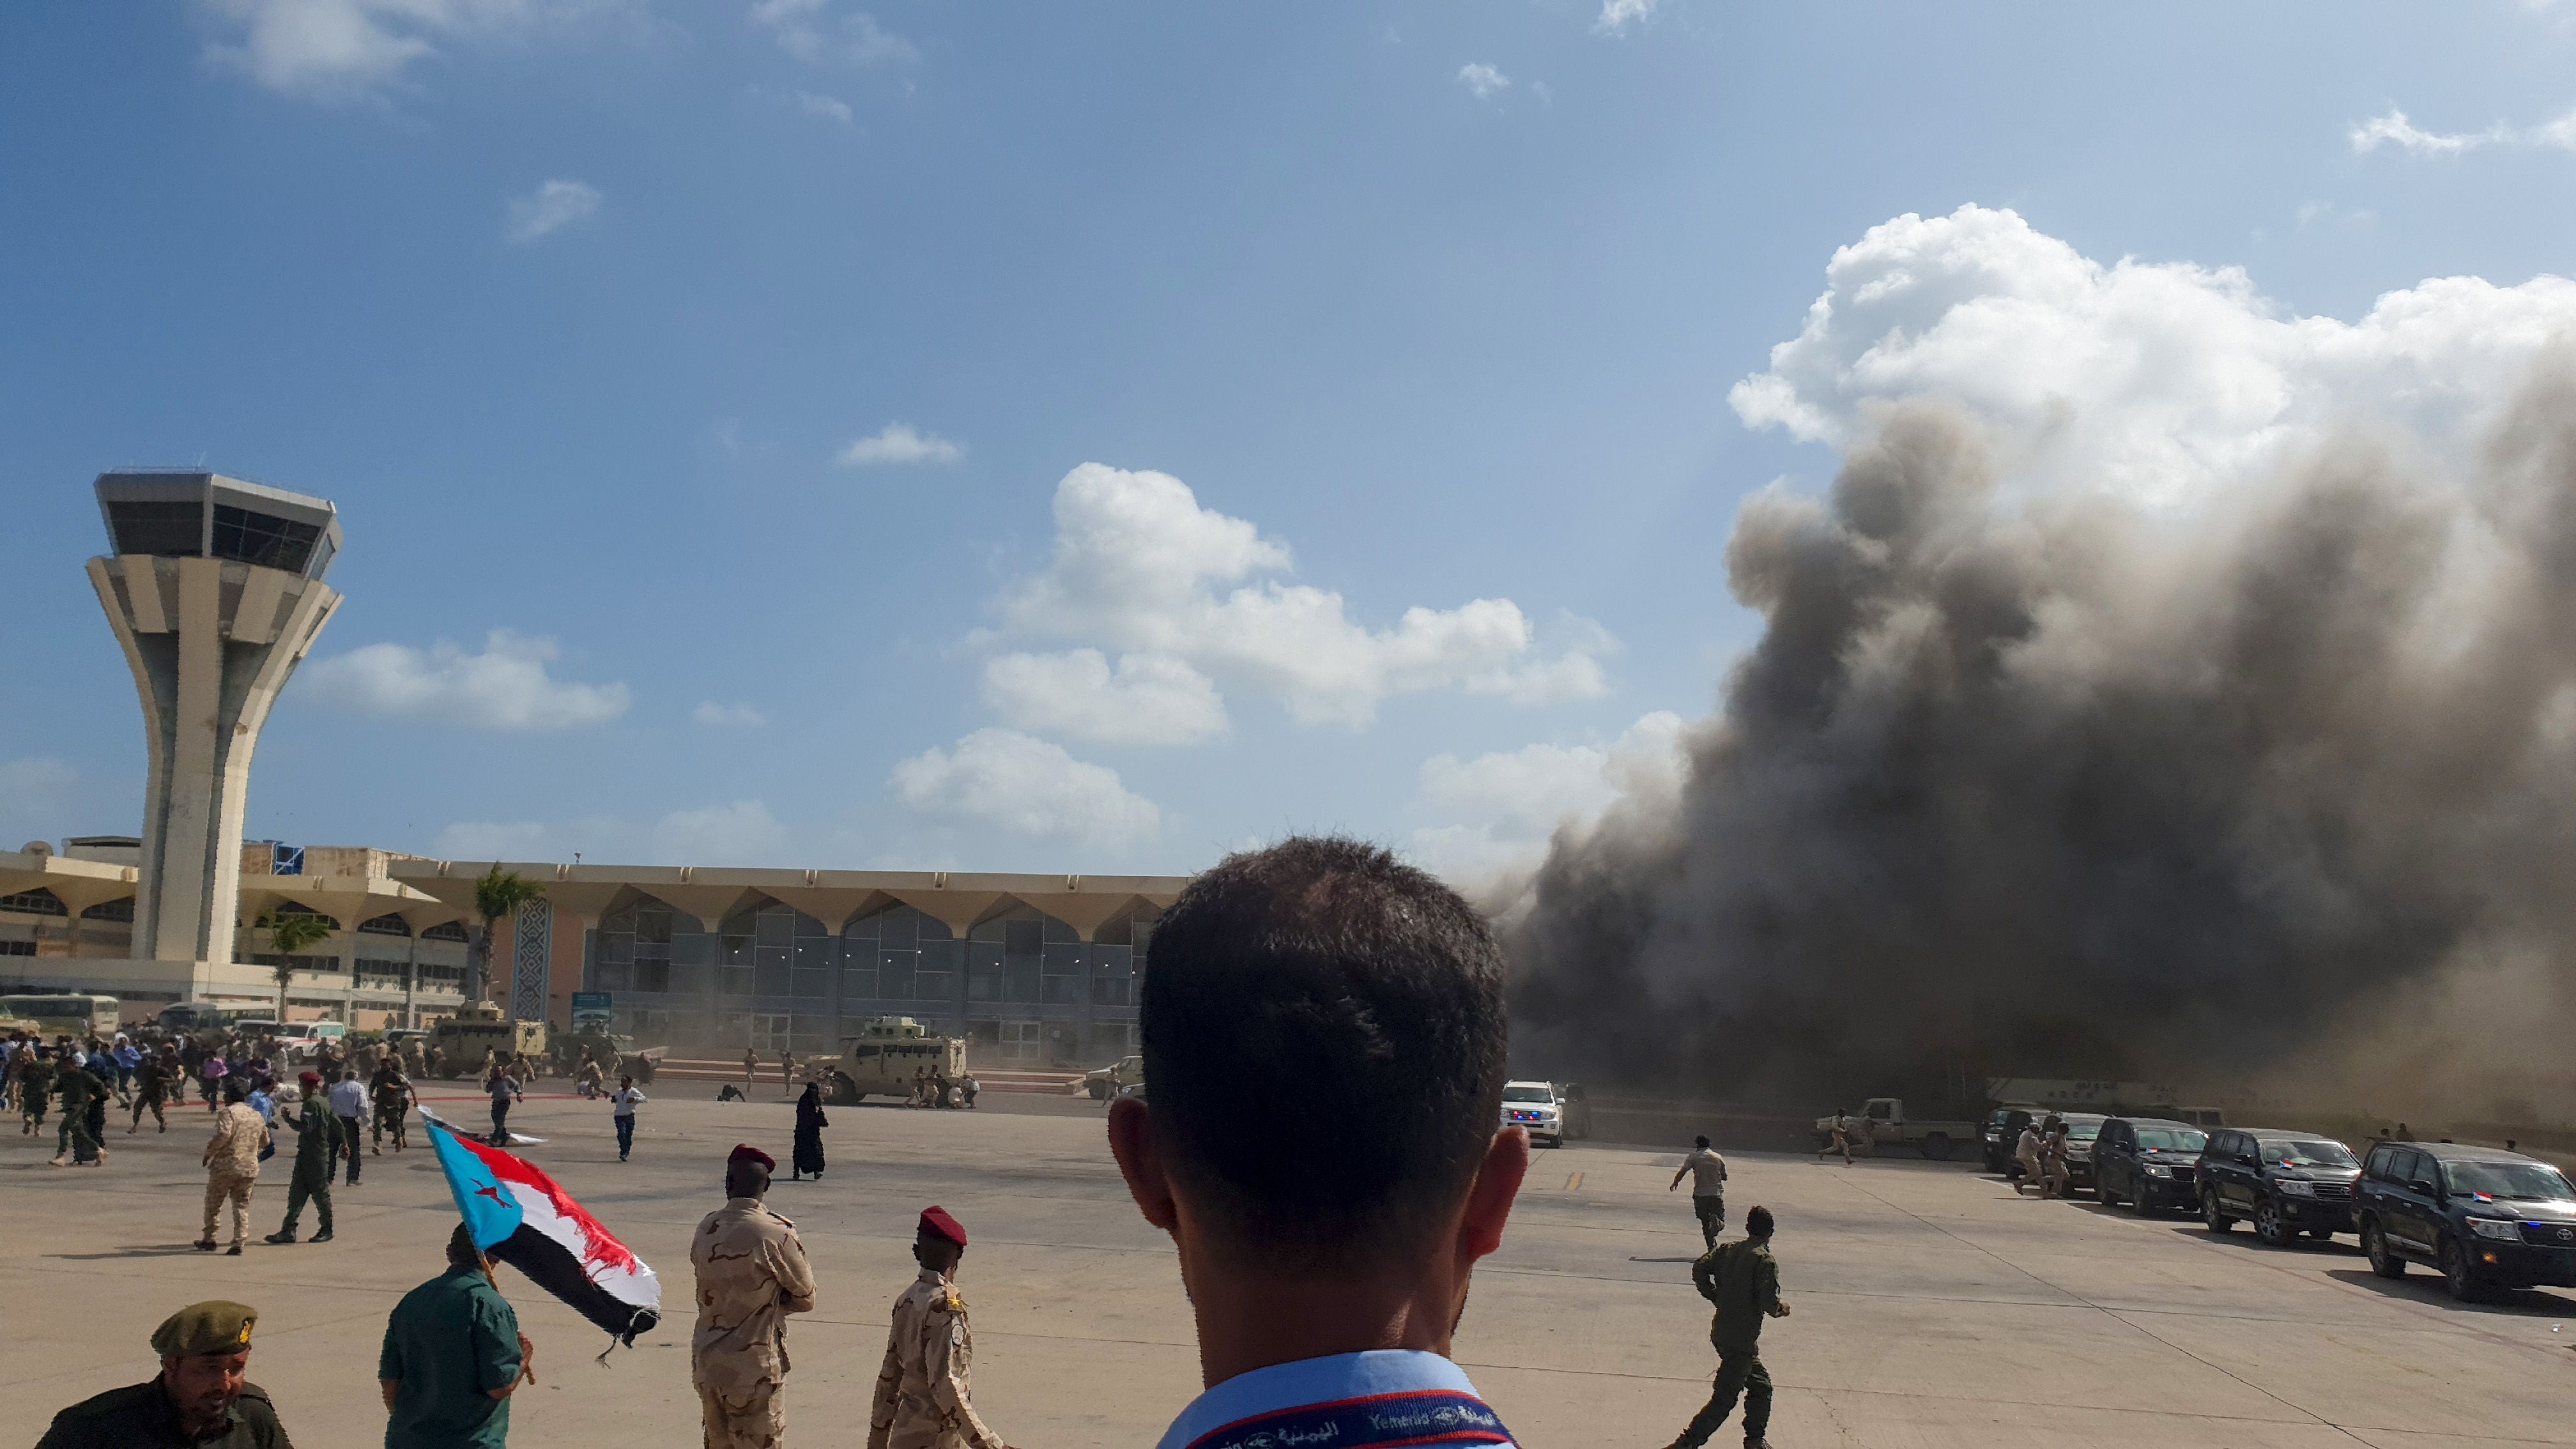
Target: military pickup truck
<point>1881,1122</point>
<point>1107,1082</point>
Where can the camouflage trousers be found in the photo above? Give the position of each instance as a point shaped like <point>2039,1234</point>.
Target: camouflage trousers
<point>752,1417</point>
<point>220,1186</point>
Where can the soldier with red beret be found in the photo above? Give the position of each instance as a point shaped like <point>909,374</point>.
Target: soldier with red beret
<point>922,1399</point>
<point>752,1273</point>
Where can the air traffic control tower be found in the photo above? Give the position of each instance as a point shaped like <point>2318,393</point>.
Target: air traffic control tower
<point>215,590</point>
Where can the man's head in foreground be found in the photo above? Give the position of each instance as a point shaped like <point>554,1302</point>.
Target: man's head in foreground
<point>1757,1225</point>
<point>205,1359</point>
<point>1324,1040</point>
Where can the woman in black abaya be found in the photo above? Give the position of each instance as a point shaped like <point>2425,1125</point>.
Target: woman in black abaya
<point>810,1123</point>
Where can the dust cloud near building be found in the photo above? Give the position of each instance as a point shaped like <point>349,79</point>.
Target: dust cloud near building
<point>2062,785</point>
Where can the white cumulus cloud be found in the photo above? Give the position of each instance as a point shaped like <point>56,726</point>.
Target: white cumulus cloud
<point>1498,810</point>
<point>813,32</point>
<point>1618,15</point>
<point>506,687</point>
<point>896,444</point>
<point>709,712</point>
<point>1025,786</point>
<point>1482,80</point>
<point>335,48</point>
<point>1141,568</point>
<point>2155,380</point>
<point>550,208</point>
<point>1149,699</point>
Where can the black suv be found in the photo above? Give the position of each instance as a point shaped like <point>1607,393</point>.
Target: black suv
<point>2287,1182</point>
<point>2487,1218</point>
<point>2146,1162</point>
<point>2003,1134</point>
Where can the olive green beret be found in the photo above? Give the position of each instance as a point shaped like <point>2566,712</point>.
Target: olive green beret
<point>211,1327</point>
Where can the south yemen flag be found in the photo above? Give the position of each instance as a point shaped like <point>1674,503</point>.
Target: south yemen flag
<point>519,1216</point>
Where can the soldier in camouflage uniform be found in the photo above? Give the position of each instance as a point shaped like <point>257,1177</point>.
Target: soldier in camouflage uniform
<point>922,1400</point>
<point>35,1088</point>
<point>232,1166</point>
<point>751,1274</point>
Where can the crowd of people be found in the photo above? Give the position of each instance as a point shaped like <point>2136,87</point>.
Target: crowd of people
<point>1327,1273</point>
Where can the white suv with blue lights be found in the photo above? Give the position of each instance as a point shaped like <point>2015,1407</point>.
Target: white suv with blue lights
<point>1536,1106</point>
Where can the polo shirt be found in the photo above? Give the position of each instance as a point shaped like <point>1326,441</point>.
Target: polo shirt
<point>1347,1400</point>
<point>450,1342</point>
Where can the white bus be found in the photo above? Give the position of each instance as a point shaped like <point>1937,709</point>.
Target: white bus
<point>63,1015</point>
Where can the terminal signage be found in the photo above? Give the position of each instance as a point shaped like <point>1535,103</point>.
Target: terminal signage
<point>590,1008</point>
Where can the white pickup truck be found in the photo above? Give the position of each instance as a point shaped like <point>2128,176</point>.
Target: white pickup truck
<point>1881,1122</point>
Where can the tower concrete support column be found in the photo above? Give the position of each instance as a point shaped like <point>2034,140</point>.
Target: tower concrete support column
<point>215,591</point>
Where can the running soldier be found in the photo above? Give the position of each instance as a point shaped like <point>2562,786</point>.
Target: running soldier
<point>35,1075</point>
<point>152,1078</point>
<point>922,1398</point>
<point>77,1139</point>
<point>317,1144</point>
<point>392,1095</point>
<point>1744,1282</point>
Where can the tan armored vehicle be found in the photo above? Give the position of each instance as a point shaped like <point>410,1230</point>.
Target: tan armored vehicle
<point>463,1039</point>
<point>883,1059</point>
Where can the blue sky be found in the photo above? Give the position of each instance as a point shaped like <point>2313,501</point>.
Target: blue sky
<point>1014,437</point>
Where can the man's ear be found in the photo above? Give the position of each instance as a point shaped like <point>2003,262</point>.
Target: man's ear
<point>1131,1141</point>
<point>1489,1199</point>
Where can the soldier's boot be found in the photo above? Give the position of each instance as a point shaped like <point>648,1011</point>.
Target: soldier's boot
<point>203,1245</point>
<point>282,1236</point>
<point>323,1236</point>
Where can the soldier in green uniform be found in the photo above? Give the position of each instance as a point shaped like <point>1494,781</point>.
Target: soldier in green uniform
<point>318,1137</point>
<point>1743,1281</point>
<point>79,1087</point>
<point>201,1397</point>
<point>35,1088</point>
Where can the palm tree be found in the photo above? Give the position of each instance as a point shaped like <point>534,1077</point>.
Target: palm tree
<point>498,895</point>
<point>289,932</point>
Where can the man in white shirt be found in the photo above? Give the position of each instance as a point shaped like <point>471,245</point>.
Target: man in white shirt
<point>1707,1172</point>
<point>621,1110</point>
<point>349,1104</point>
<point>1326,1271</point>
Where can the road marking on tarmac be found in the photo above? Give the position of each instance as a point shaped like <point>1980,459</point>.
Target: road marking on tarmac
<point>1574,1182</point>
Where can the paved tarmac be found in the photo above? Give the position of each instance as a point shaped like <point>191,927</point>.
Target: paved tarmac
<point>1932,1307</point>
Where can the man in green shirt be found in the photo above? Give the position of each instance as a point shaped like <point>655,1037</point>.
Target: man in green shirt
<point>318,1135</point>
<point>201,1398</point>
<point>453,1355</point>
<point>1743,1281</point>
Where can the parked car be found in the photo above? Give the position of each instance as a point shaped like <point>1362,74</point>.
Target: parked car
<point>2147,1162</point>
<point>2002,1133</point>
<point>1534,1105</point>
<point>2286,1183</point>
<point>2487,1218</point>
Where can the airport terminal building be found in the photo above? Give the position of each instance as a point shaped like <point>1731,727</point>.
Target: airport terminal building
<point>1029,968</point>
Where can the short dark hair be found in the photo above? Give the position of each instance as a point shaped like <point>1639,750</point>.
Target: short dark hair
<point>1757,1223</point>
<point>1701,1140</point>
<point>461,1251</point>
<point>1324,1035</point>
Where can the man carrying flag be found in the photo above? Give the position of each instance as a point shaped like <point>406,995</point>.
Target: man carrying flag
<point>453,1355</point>
<point>514,1213</point>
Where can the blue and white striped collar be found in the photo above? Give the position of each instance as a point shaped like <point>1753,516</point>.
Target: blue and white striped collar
<point>1314,1381</point>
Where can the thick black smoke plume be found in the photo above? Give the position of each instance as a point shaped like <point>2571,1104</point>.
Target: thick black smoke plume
<point>2063,788</point>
